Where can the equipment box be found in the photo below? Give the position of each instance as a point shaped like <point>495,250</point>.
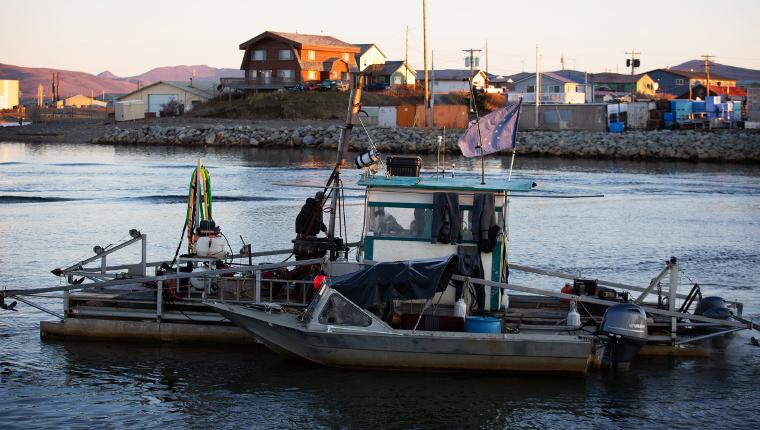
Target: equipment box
<point>400,165</point>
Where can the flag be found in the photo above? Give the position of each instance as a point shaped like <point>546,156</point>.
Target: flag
<point>498,131</point>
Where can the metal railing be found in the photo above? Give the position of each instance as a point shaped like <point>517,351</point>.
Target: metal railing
<point>257,83</point>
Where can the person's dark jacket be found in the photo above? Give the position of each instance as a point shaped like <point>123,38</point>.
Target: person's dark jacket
<point>309,221</point>
<point>484,227</point>
<point>446,221</point>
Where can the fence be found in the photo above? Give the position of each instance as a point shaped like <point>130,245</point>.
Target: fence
<point>578,117</point>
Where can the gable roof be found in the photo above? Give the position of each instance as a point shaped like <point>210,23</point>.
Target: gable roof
<point>387,69</point>
<point>616,78</point>
<point>573,75</point>
<point>549,75</point>
<point>450,74</point>
<point>203,89</point>
<point>692,75</point>
<point>301,40</point>
<point>718,91</point>
<point>364,47</point>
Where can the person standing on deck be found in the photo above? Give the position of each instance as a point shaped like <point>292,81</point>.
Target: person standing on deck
<point>309,221</point>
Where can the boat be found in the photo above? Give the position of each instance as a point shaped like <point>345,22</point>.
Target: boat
<point>336,331</point>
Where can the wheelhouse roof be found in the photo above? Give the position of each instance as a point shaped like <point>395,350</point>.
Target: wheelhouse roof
<point>446,184</point>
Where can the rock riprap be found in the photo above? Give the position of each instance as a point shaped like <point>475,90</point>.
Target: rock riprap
<point>721,145</point>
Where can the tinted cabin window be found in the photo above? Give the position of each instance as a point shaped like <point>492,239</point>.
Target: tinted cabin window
<point>339,311</point>
<point>412,223</point>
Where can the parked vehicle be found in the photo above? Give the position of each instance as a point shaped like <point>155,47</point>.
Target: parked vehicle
<point>378,86</point>
<point>296,88</point>
<point>327,85</point>
<point>312,86</point>
<point>341,85</point>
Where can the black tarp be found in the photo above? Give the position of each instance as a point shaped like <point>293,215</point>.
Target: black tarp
<point>398,280</point>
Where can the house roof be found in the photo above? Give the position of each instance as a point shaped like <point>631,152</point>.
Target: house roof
<point>616,78</point>
<point>573,75</point>
<point>203,89</point>
<point>693,75</point>
<point>301,40</point>
<point>450,74</point>
<point>550,75</point>
<point>364,47</point>
<point>387,69</point>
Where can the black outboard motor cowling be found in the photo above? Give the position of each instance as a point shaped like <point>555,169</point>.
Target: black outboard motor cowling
<point>713,307</point>
<point>626,327</point>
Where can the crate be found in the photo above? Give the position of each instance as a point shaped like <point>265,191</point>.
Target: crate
<point>432,322</point>
<point>404,165</point>
<point>617,127</point>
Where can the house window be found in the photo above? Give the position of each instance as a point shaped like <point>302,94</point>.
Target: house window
<point>266,74</point>
<point>531,89</point>
<point>286,54</point>
<point>554,89</point>
<point>312,74</point>
<point>252,74</point>
<point>679,82</point>
<point>345,57</point>
<point>285,74</point>
<point>259,55</point>
<point>311,55</point>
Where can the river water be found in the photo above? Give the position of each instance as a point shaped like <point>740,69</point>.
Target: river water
<point>58,201</point>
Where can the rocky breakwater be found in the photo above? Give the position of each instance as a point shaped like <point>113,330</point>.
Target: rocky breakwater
<point>723,145</point>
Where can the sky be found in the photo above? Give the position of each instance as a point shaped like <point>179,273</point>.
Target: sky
<point>129,38</point>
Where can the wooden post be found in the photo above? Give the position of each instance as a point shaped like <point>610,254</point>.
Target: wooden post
<point>672,291</point>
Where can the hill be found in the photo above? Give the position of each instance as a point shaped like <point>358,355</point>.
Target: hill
<point>738,73</point>
<point>73,82</point>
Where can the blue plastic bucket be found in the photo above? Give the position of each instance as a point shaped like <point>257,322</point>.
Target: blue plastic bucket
<point>482,325</point>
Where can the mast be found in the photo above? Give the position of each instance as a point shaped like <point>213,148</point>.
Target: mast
<point>353,110</point>
<point>424,56</point>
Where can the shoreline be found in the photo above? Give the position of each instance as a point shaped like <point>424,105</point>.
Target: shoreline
<point>733,146</point>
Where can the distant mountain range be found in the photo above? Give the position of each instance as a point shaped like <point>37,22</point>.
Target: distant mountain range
<point>73,83</point>
<point>738,73</point>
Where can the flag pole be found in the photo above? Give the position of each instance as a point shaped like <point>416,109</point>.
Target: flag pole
<point>480,137</point>
<point>514,148</point>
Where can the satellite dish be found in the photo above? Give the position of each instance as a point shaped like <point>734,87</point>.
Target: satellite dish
<point>656,86</point>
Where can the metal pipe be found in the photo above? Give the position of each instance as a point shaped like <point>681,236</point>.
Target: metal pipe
<point>672,291</point>
<point>708,336</point>
<point>104,253</point>
<point>34,305</point>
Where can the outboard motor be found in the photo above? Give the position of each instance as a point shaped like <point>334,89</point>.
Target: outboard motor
<point>626,327</point>
<point>713,307</point>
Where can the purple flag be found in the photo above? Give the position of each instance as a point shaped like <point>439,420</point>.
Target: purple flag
<point>498,131</point>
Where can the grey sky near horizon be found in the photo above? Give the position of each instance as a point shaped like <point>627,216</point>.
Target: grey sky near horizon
<point>131,38</point>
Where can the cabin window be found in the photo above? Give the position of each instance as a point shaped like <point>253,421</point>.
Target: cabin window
<point>285,74</point>
<point>285,54</point>
<point>345,57</point>
<point>399,222</point>
<point>252,74</point>
<point>339,311</point>
<point>259,55</point>
<point>312,74</point>
<point>311,55</point>
<point>531,89</point>
<point>679,81</point>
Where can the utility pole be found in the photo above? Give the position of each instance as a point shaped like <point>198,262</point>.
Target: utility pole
<point>424,56</point>
<point>707,58</point>
<point>472,70</point>
<point>406,54</point>
<point>486,58</point>
<point>537,88</point>
<point>633,62</point>
<point>562,61</point>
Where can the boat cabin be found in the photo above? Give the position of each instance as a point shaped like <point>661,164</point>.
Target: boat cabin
<point>413,217</point>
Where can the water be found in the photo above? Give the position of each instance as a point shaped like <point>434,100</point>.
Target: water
<point>58,201</point>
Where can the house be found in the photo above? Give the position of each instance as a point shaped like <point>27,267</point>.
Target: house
<point>726,93</point>
<point>453,80</point>
<point>274,60</point>
<point>8,93</point>
<point>620,85</point>
<point>368,55</point>
<point>391,73</point>
<point>675,82</point>
<point>554,89</point>
<point>188,93</point>
<point>80,101</point>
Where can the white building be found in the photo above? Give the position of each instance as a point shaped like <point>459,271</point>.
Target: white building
<point>453,80</point>
<point>368,55</point>
<point>555,88</point>
<point>8,93</point>
<point>158,94</point>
